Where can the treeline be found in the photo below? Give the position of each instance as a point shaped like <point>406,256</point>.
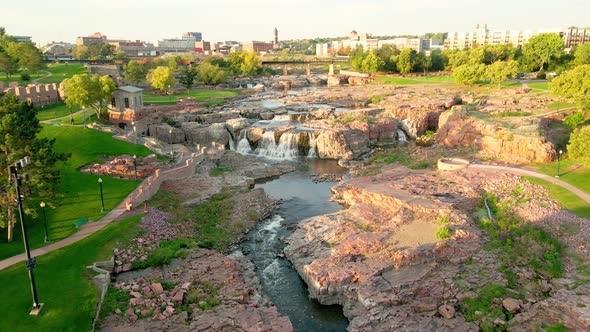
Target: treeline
<point>15,57</point>
<point>187,71</point>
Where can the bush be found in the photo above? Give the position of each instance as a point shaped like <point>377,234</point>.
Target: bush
<point>541,75</point>
<point>25,76</point>
<point>444,233</point>
<point>574,120</point>
<point>579,145</point>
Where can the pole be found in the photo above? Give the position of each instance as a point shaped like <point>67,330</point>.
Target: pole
<point>558,162</point>
<point>101,195</point>
<point>135,166</point>
<point>45,222</point>
<point>30,263</point>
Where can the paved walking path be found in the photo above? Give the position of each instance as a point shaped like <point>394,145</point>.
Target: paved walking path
<point>583,195</point>
<point>85,230</point>
<point>48,74</point>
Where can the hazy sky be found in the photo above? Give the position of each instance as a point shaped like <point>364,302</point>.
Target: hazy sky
<point>150,20</point>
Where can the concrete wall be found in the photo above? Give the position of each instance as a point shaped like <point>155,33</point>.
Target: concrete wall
<point>38,94</point>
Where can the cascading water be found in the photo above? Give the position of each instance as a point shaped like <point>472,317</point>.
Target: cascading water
<point>286,148</point>
<point>401,136</point>
<point>313,142</point>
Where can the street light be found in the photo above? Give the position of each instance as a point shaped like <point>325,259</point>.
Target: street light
<point>135,166</point>
<point>44,221</point>
<point>101,195</point>
<point>31,262</point>
<point>170,136</point>
<point>558,162</point>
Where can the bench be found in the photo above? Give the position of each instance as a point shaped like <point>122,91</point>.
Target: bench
<point>80,221</point>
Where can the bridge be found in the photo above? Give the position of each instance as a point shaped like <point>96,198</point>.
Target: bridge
<point>307,62</point>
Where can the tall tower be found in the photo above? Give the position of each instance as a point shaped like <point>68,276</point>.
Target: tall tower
<point>275,41</point>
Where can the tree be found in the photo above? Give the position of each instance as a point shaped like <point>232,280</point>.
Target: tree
<point>407,60</point>
<point>493,53</point>
<point>469,74</point>
<point>498,71</point>
<point>120,55</point>
<point>7,64</point>
<point>423,62</point>
<point>29,57</point>
<point>541,49</point>
<point>161,78</point>
<point>582,54</point>
<point>252,65</point>
<point>18,129</point>
<point>574,84</point>
<point>211,74</point>
<point>455,58</point>
<point>89,91</point>
<point>187,77</point>
<point>386,53</point>
<point>579,145</point>
<point>371,63</point>
<point>96,51</point>
<point>438,61</point>
<point>357,55</point>
<point>135,72</point>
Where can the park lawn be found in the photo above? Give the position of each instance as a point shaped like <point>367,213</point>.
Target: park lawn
<point>199,95</point>
<point>63,283</point>
<point>54,111</point>
<point>16,77</point>
<point>560,105</point>
<point>383,79</point>
<point>570,172</point>
<point>79,193</point>
<point>61,71</point>
<point>539,86</point>
<point>564,197</point>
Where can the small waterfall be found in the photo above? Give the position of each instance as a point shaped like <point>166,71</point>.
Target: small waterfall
<point>313,142</point>
<point>401,136</point>
<point>241,145</point>
<point>286,148</point>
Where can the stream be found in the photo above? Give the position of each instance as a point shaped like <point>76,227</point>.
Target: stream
<point>301,199</point>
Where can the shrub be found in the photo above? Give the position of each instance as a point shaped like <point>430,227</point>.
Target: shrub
<point>541,75</point>
<point>444,233</point>
<point>579,145</point>
<point>574,120</point>
<point>25,76</point>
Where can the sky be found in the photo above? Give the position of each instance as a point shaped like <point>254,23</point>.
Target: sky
<point>242,20</point>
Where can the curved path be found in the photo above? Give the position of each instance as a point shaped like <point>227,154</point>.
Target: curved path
<point>583,195</point>
<point>49,74</point>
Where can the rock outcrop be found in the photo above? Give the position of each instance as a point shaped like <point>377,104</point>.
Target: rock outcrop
<point>457,128</point>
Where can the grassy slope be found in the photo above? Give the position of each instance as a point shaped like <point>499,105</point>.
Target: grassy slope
<point>59,71</point>
<point>63,283</point>
<point>570,172</point>
<point>199,95</point>
<point>54,111</point>
<point>564,197</point>
<point>80,194</point>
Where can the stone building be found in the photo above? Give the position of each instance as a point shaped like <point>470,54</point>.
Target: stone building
<point>126,104</point>
<point>94,38</point>
<point>257,46</point>
<point>36,94</point>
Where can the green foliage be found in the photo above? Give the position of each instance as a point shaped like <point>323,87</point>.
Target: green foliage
<point>371,63</point>
<point>161,78</point>
<point>443,233</point>
<point>407,60</point>
<point>521,244</point>
<point>582,54</point>
<point>203,294</point>
<point>187,77</point>
<point>245,63</point>
<point>498,71</point>
<point>574,120</point>
<point>386,53</point>
<point>211,74</point>
<point>443,220</point>
<point>438,61</point>
<point>509,114</point>
<point>574,84</point>
<point>135,72</point>
<point>543,48</point>
<point>217,171</point>
<point>25,76</point>
<point>88,91</point>
<point>559,327</point>
<point>213,228</point>
<point>357,55</point>
<point>114,299</point>
<point>469,74</point>
<point>165,253</point>
<point>579,145</point>
<point>483,309</point>
<point>376,99</point>
<point>455,58</point>
<point>96,51</point>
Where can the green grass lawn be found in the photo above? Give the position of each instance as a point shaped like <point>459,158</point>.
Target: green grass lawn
<point>59,71</point>
<point>79,192</point>
<point>54,111</point>
<point>63,283</point>
<point>199,95</point>
<point>569,171</point>
<point>559,105</point>
<point>381,79</point>
<point>564,197</point>
<point>539,86</point>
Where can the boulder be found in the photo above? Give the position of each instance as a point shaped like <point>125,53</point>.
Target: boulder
<point>447,311</point>
<point>205,135</point>
<point>511,304</point>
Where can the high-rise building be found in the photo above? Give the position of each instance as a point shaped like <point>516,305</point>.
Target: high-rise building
<point>276,37</point>
<point>573,37</point>
<point>198,36</point>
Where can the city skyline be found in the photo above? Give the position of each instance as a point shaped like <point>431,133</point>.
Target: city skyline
<point>255,20</point>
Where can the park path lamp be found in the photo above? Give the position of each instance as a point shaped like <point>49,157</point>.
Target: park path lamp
<point>170,136</point>
<point>42,205</point>
<point>558,162</point>
<point>169,94</point>
<point>101,195</point>
<point>31,262</point>
<point>135,166</point>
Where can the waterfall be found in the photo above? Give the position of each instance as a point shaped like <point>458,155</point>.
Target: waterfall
<point>241,145</point>
<point>286,148</point>
<point>313,142</point>
<point>401,136</point>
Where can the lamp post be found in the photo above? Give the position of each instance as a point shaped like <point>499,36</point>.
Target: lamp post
<point>558,162</point>
<point>42,205</point>
<point>169,95</point>
<point>135,166</point>
<point>170,136</point>
<point>31,262</point>
<point>101,195</point>
<point>135,132</point>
